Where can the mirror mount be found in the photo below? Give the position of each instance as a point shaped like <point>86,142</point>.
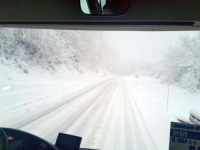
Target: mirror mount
<point>94,7</point>
<point>106,7</point>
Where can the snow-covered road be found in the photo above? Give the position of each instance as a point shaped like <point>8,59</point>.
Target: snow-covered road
<point>119,113</point>
<point>104,114</point>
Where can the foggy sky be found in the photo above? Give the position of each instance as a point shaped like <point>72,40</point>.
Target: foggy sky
<point>136,46</point>
<point>140,46</point>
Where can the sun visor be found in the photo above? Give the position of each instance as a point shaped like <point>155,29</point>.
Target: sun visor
<point>138,13</point>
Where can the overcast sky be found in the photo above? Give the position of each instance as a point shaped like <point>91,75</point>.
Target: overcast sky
<point>142,46</point>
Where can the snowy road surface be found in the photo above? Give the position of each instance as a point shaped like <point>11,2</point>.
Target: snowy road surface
<point>118,113</point>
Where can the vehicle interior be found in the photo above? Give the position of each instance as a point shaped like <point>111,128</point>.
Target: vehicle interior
<point>90,15</point>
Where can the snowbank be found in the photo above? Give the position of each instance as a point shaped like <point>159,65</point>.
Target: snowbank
<point>151,98</point>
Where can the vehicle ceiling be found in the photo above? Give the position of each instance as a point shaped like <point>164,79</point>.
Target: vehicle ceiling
<point>66,14</point>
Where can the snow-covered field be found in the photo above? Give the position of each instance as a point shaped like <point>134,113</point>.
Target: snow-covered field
<point>151,99</point>
<point>108,112</point>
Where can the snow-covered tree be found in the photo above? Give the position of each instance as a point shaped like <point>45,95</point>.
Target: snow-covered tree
<point>182,63</point>
<point>49,48</point>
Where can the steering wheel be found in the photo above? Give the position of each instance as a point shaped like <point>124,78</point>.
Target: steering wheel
<point>30,140</point>
<point>3,140</point>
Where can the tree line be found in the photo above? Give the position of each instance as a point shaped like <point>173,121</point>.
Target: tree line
<point>51,48</point>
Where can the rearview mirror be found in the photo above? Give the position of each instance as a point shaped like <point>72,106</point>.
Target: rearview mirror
<point>104,7</point>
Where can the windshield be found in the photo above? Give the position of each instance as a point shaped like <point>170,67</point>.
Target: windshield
<point>117,90</point>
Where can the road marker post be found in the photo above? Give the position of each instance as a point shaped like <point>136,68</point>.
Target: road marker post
<point>167,97</point>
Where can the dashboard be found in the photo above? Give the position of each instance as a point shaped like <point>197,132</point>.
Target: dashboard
<point>13,139</point>
<point>19,140</point>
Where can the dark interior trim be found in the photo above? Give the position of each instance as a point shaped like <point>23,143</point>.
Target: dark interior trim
<point>97,23</point>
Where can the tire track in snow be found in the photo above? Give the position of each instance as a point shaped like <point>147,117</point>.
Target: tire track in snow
<point>132,129</point>
<point>22,122</point>
<point>124,130</point>
<point>119,124</point>
<point>91,117</point>
<point>117,145</point>
<point>114,110</point>
<point>141,123</point>
<point>30,102</point>
<point>128,121</point>
<point>70,121</point>
<point>98,107</point>
<point>97,135</point>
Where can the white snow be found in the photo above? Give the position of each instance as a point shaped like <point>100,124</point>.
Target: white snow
<point>23,93</point>
<point>151,97</point>
<point>57,81</point>
<point>109,113</point>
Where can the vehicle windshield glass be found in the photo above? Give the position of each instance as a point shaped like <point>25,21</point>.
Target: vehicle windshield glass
<point>117,90</point>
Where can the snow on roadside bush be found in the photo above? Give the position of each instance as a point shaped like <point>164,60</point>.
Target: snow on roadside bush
<point>50,48</point>
<point>181,64</point>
